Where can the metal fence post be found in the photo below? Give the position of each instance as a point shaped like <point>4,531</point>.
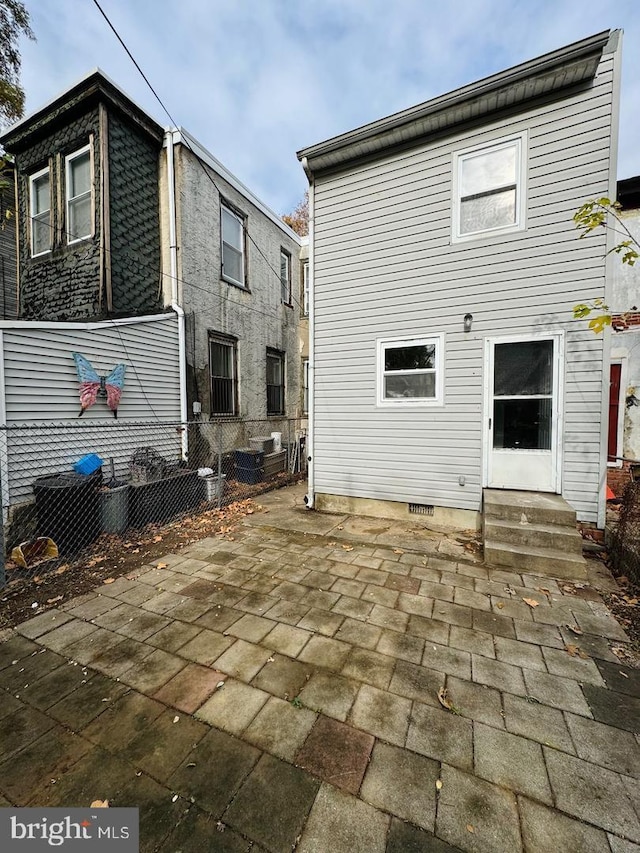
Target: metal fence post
<point>3,570</point>
<point>220,480</point>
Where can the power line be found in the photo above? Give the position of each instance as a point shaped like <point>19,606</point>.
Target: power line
<point>175,124</point>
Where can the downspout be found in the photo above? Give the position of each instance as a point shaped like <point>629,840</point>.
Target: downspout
<point>309,498</point>
<point>175,304</point>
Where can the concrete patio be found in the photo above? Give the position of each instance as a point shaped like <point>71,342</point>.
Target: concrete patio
<point>277,688</point>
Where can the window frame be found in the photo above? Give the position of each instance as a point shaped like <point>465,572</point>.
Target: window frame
<point>438,370</point>
<point>518,140</point>
<point>285,285</point>
<point>305,288</point>
<point>275,353</point>
<point>242,219</point>
<point>80,152</point>
<point>305,386</point>
<point>232,343</point>
<point>34,216</point>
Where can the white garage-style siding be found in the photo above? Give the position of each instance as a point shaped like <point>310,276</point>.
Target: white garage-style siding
<point>385,266</point>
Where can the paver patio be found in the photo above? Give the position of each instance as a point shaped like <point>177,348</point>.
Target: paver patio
<point>278,688</point>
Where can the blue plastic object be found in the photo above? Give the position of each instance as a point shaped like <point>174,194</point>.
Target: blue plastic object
<point>88,464</point>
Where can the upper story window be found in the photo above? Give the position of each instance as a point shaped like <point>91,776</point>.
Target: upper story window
<point>285,277</point>
<point>410,371</point>
<point>489,189</point>
<point>79,201</point>
<point>305,287</point>
<point>232,235</point>
<point>40,208</point>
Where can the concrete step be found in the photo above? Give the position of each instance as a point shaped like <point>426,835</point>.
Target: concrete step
<point>561,537</point>
<point>533,507</point>
<point>549,562</point>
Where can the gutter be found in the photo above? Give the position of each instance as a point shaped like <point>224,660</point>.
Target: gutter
<point>309,498</point>
<point>175,304</point>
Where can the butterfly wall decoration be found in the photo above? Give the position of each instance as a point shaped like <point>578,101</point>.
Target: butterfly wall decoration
<point>93,386</point>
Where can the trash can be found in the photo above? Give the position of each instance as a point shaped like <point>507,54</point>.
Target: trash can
<point>68,510</point>
<point>114,509</point>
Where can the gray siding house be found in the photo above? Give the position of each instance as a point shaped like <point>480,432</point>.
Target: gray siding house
<point>444,266</point>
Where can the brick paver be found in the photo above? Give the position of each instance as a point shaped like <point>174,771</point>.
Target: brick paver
<point>281,686</point>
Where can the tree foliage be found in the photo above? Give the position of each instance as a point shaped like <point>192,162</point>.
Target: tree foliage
<point>298,219</point>
<point>594,214</point>
<point>14,22</point>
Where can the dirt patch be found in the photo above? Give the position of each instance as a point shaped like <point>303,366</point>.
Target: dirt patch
<point>110,557</point>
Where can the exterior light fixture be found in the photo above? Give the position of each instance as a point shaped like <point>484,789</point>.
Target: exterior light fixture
<point>467,321</point>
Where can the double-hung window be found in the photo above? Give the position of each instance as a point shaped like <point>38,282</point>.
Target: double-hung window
<point>285,277</point>
<point>489,189</point>
<point>275,382</point>
<point>40,203</point>
<point>223,367</point>
<point>410,371</point>
<point>78,195</point>
<point>232,233</point>
<point>305,287</point>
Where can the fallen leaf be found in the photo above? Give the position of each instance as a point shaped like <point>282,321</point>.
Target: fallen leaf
<point>438,784</point>
<point>531,602</point>
<point>398,551</point>
<point>53,600</point>
<point>500,605</point>
<point>572,649</point>
<point>109,580</point>
<point>348,547</point>
<point>174,798</point>
<point>161,565</point>
<point>623,674</point>
<point>470,828</point>
<point>100,804</point>
<point>176,718</point>
<point>443,699</point>
<point>575,630</point>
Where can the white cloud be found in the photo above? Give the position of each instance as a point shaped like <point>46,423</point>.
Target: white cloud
<point>255,80</point>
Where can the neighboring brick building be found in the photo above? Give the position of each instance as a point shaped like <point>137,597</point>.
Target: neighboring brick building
<point>88,206</point>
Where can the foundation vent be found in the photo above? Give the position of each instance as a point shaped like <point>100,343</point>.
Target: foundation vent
<point>421,509</point>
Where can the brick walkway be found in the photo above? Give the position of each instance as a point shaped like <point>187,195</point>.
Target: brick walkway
<point>281,688</point>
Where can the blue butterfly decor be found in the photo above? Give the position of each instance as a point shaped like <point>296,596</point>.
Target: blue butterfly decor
<point>93,386</point>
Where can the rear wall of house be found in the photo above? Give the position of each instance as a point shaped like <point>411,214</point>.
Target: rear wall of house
<point>385,266</point>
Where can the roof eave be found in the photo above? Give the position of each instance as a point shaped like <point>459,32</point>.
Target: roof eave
<point>572,65</point>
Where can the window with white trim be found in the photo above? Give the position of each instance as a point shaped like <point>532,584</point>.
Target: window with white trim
<point>233,243</point>
<point>305,287</point>
<point>410,371</point>
<point>79,202</point>
<point>489,189</point>
<point>223,368</point>
<point>285,277</point>
<point>40,209</point>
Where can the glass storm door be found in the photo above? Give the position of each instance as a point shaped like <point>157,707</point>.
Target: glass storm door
<point>523,414</point>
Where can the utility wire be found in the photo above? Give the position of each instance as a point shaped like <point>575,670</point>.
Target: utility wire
<point>175,124</point>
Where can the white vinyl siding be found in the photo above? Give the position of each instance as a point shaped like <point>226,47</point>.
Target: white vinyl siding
<point>384,263</point>
<point>41,396</point>
<point>40,205</point>
<point>79,183</point>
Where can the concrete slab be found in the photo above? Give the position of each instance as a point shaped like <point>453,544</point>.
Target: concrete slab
<point>336,753</point>
<point>343,824</point>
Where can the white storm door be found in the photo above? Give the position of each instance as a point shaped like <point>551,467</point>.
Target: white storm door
<point>522,440</point>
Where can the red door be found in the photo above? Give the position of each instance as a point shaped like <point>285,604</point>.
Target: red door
<point>614,411</point>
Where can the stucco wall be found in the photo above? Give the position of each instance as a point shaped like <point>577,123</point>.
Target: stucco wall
<point>255,316</point>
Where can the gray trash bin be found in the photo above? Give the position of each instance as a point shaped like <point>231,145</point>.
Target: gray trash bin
<point>114,509</point>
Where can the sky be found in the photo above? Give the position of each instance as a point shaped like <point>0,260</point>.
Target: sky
<point>256,80</point>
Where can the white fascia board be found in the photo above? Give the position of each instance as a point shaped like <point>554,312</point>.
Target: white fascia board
<point>180,135</point>
<point>98,324</point>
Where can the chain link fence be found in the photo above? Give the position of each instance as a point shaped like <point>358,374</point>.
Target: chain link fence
<point>624,538</point>
<point>64,486</point>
